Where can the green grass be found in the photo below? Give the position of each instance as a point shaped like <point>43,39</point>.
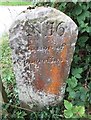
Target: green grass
<point>7,75</point>
<point>15,3</point>
<point>6,69</point>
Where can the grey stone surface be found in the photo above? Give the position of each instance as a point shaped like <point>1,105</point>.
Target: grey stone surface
<point>42,42</point>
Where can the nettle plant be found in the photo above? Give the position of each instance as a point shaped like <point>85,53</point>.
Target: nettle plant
<point>77,99</point>
<point>73,111</point>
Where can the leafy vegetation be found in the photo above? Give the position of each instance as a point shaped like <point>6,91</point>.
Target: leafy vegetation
<point>77,99</point>
<point>14,2</point>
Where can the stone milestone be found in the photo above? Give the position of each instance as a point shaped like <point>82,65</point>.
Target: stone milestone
<point>42,42</point>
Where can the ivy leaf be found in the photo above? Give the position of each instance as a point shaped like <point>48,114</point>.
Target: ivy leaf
<point>85,6</point>
<point>68,105</point>
<point>83,16</point>
<point>88,29</point>
<point>62,6</point>
<point>77,10</point>
<point>82,40</point>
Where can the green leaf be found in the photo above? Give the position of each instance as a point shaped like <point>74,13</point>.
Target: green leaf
<point>83,38</point>
<point>75,109</point>
<point>83,96</point>
<point>83,16</point>
<point>76,58</point>
<point>68,105</point>
<point>72,94</point>
<point>68,113</point>
<point>76,71</point>
<point>62,6</point>
<point>77,10</point>
<point>72,82</point>
<point>81,111</point>
<point>88,29</point>
<point>78,76</point>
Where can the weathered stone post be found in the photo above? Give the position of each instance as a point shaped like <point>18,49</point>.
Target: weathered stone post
<point>42,42</point>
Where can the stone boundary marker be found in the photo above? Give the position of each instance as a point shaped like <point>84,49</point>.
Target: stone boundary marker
<point>42,42</point>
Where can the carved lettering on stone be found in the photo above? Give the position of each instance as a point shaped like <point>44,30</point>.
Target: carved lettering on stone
<point>42,41</point>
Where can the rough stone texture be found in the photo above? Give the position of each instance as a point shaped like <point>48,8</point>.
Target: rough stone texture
<point>42,42</point>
